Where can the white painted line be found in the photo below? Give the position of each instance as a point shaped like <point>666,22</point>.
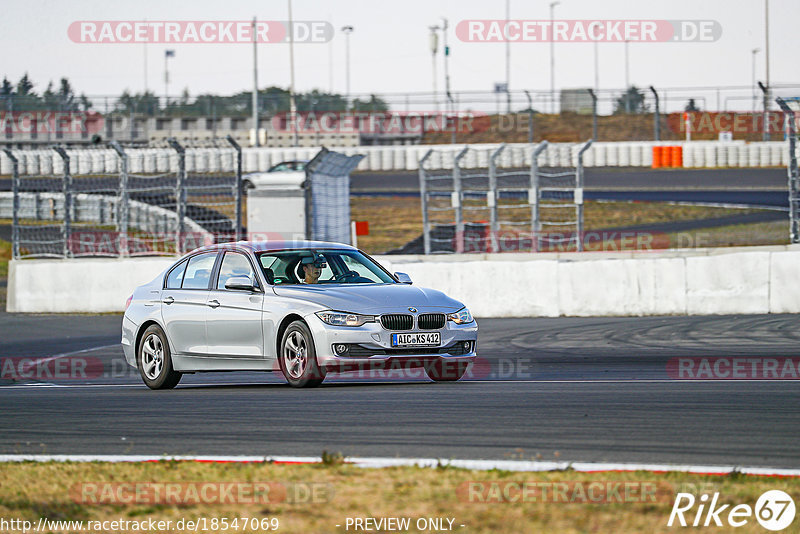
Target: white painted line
<point>190,385</point>
<point>371,463</point>
<point>40,361</point>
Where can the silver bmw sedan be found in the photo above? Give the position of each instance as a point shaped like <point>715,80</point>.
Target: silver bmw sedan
<point>305,308</point>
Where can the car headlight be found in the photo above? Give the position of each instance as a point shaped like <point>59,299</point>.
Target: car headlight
<point>462,316</point>
<point>344,319</point>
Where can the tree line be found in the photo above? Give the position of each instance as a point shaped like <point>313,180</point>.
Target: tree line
<point>22,96</point>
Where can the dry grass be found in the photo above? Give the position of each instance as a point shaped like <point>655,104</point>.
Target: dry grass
<point>394,221</point>
<point>5,256</point>
<point>33,490</point>
<point>573,128</point>
<point>770,233</point>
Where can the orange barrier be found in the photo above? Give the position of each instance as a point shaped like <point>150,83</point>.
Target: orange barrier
<point>657,156</point>
<point>667,156</point>
<point>677,156</point>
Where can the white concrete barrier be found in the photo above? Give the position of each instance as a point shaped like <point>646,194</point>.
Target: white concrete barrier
<point>86,285</point>
<point>697,281</point>
<point>728,283</point>
<point>783,274</point>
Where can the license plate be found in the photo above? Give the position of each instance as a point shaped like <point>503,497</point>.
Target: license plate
<point>422,339</point>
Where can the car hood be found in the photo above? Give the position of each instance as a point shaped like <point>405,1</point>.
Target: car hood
<point>371,299</point>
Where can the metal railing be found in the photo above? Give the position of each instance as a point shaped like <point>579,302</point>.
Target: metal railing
<point>69,210</point>
<point>491,201</point>
<point>793,178</point>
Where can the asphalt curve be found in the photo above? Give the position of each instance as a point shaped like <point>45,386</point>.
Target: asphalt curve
<point>575,389</point>
<point>614,178</point>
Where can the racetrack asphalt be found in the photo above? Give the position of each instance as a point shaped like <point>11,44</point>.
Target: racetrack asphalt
<point>615,179</point>
<point>572,389</point>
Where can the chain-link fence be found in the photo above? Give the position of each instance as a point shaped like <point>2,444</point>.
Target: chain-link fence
<point>64,204</point>
<point>501,200</point>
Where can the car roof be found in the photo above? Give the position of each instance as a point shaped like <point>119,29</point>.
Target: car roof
<point>275,245</point>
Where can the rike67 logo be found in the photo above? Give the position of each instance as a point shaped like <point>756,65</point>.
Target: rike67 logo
<point>774,511</point>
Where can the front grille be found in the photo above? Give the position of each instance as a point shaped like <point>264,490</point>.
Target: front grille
<point>431,321</point>
<point>397,321</point>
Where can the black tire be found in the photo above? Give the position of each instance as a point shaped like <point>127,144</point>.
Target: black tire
<point>153,352</point>
<point>298,358</point>
<point>247,185</point>
<point>443,370</point>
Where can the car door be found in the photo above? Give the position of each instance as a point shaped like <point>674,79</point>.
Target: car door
<point>233,316</point>
<point>183,304</point>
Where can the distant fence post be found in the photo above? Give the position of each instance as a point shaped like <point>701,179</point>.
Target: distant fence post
<point>533,198</point>
<point>423,195</point>
<point>530,116</point>
<point>594,113</point>
<point>122,199</point>
<point>15,203</point>
<point>492,197</point>
<point>794,187</point>
<point>180,195</point>
<point>656,118</point>
<point>66,185</point>
<point>457,200</point>
<point>232,141</point>
<point>578,195</point>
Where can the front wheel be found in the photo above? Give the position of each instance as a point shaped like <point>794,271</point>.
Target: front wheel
<point>443,370</point>
<point>298,359</point>
<point>154,360</point>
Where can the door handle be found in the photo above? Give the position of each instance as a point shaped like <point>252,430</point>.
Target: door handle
<point>213,303</point>
<point>168,300</point>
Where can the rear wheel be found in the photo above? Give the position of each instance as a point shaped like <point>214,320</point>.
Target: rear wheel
<point>298,359</point>
<point>154,360</point>
<point>443,370</point>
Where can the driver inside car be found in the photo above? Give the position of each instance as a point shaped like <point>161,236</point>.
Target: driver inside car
<point>312,269</point>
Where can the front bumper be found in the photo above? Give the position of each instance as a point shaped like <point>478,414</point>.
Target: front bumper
<point>373,336</point>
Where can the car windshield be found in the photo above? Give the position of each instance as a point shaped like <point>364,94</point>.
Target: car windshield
<point>322,266</point>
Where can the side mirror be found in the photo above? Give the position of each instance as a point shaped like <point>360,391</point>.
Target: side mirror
<point>242,283</point>
<point>403,278</point>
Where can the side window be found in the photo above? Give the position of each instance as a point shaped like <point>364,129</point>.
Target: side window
<point>175,276</point>
<point>234,264</point>
<point>198,271</point>
<point>281,167</point>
